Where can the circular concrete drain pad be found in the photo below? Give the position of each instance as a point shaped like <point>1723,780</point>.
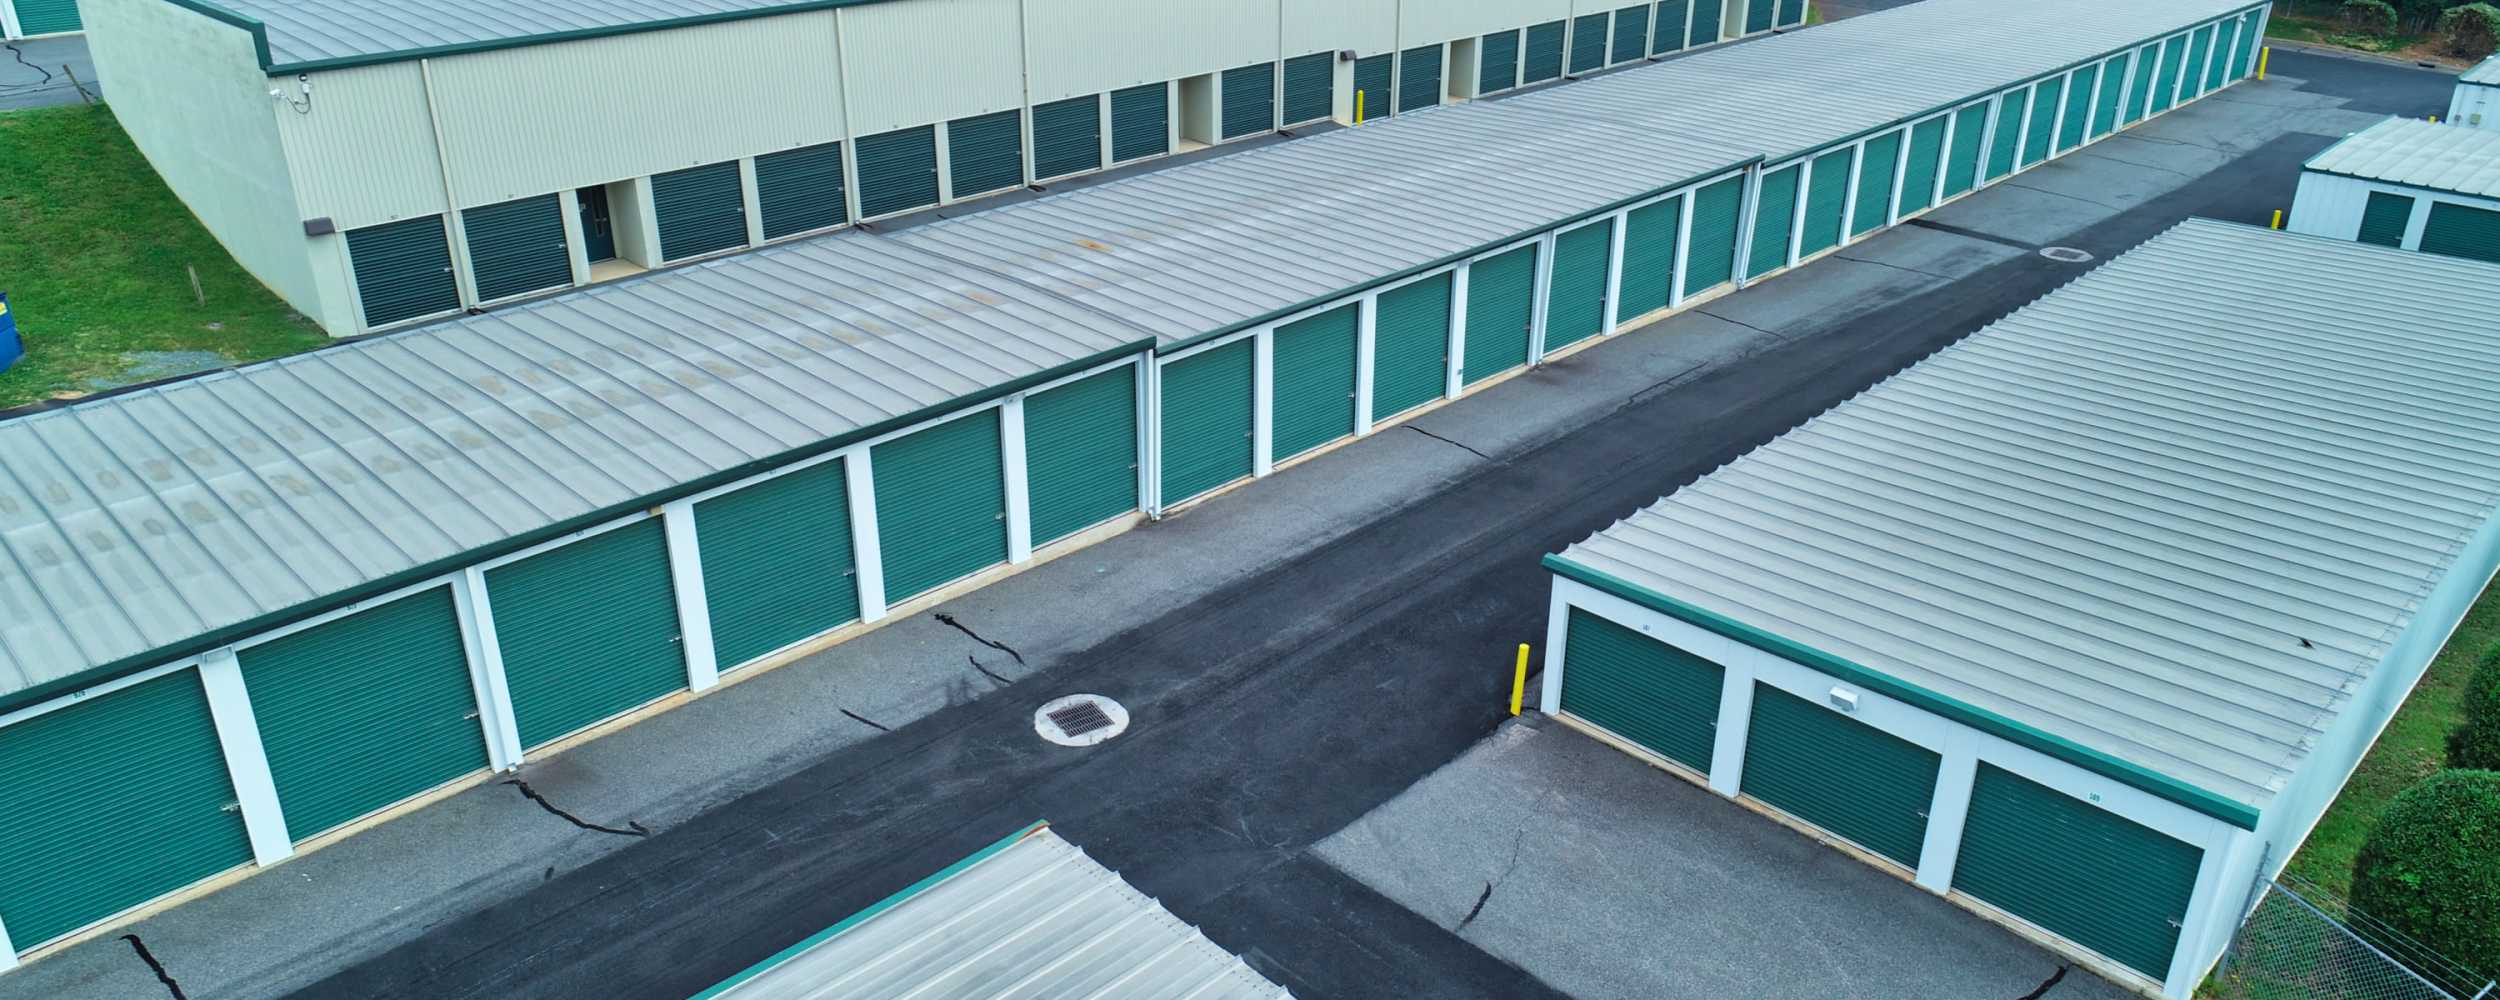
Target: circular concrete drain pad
<point>2066,255</point>
<point>1080,720</point>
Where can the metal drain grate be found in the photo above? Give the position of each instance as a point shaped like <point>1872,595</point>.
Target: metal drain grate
<point>2066,255</point>
<point>1081,718</point>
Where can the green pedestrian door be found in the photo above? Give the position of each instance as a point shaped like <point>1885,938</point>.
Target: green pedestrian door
<point>2385,219</point>
<point>702,210</point>
<point>1868,786</point>
<point>1411,346</point>
<point>1501,313</point>
<point>109,803</point>
<point>365,711</point>
<point>1717,214</point>
<point>2458,231</point>
<point>941,504</point>
<point>777,563</point>
<point>1827,199</point>
<point>47,17</point>
<point>588,630</point>
<point>403,270</point>
<point>2076,870</point>
<point>1206,433</point>
<point>517,247</point>
<point>1640,689</point>
<point>1080,453</point>
<point>1649,235</point>
<point>1313,381</point>
<point>1575,297</point>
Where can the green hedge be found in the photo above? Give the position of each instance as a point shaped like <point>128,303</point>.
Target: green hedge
<point>2370,15</point>
<point>2475,743</point>
<point>2431,868</point>
<point>2472,31</point>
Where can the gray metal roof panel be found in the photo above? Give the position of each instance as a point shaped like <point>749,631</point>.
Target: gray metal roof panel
<point>2486,72</point>
<point>145,519</point>
<point>2118,514</point>
<point>2417,153</point>
<point>1035,919</point>
<point>325,31</point>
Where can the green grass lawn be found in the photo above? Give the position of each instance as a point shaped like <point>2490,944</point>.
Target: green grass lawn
<point>2324,31</point>
<point>2414,746</point>
<point>93,251</point>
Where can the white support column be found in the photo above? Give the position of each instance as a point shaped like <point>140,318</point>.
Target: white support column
<point>1150,436</point>
<point>1727,748</point>
<point>1748,216</point>
<point>576,249</point>
<point>2092,103</point>
<point>1366,343</point>
<point>2190,959</point>
<point>694,609</point>
<point>9,28</point>
<point>1797,210</point>
<point>1019,491</point>
<point>1102,128</point>
<point>1683,245</point>
<point>8,952</point>
<point>2126,89</point>
<point>860,484</point>
<point>495,720</point>
<point>945,163</point>
<point>2179,73</point>
<point>1457,376</point>
<point>1988,142</point>
<point>1944,157</point>
<point>1557,632</point>
<point>1263,402</point>
<point>247,763</point>
<point>1614,273</point>
<point>750,202</point>
<point>2416,225</point>
<point>2204,70</point>
<point>1543,294</point>
<point>1900,174</point>
<point>2057,118</point>
<point>1849,194</point>
<point>1945,814</point>
<point>2022,129</point>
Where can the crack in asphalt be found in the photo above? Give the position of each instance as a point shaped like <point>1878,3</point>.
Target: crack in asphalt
<point>1896,267</point>
<point>633,829</point>
<point>1487,895</point>
<point>1470,449</point>
<point>976,637</point>
<point>155,966</point>
<point>1773,334</point>
<point>866,721</point>
<point>2046,985</point>
<point>1947,227</point>
<point>985,671</point>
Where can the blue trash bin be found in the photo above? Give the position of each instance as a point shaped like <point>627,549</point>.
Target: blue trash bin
<point>10,348</point>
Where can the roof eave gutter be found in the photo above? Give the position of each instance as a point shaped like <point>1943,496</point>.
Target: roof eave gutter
<point>2162,786</point>
<point>260,32</point>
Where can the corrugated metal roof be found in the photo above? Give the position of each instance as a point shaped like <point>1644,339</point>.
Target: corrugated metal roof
<point>2417,153</point>
<point>1036,918</point>
<point>1230,242</point>
<point>152,517</point>
<point>2175,512</point>
<point>327,31</point>
<point>2486,72</point>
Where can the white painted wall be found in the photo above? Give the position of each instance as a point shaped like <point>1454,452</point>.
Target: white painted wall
<point>2475,106</point>
<point>1369,27</point>
<point>1421,22</point>
<point>930,61</point>
<point>362,149</point>
<point>1090,46</point>
<point>2331,205</point>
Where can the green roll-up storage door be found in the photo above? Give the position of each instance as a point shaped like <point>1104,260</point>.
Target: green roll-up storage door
<point>1641,689</point>
<point>588,630</point>
<point>2043,125</point>
<point>1918,173</point>
<point>1206,420</point>
<point>2140,83</point>
<point>1649,257</point>
<point>985,153</point>
<point>2200,49</point>
<point>1970,129</point>
<point>1410,346</point>
<point>2166,78</point>
<point>1718,213</point>
<point>897,171</point>
<point>1792,13</point>
<point>800,189</point>
<point>109,803</point>
<point>1310,87</point>
<point>1758,15</point>
<point>517,247</point>
<point>1705,23</point>
<point>1544,57</point>
<point>1141,122</point>
<point>1631,34</point>
<point>1497,63</point>
<point>1080,453</point>
<point>1588,42</point>
<point>1575,298</point>
<point>365,711</point>
<point>1827,198</point>
<point>941,504</point>
<point>2244,41</point>
<point>1867,785</point>
<point>2218,72</point>
<point>1249,100</point>
<point>701,210</point>
<point>1668,34</point>
<point>777,563</point>
<point>2458,231</point>
<point>403,270</point>
<point>2011,110</point>
<point>2385,219</point>
<point>2078,108</point>
<point>1875,173</point>
<point>2113,76</point>
<point>1374,87</point>
<point>1313,381</point>
<point>1419,78</point>
<point>1775,211</point>
<point>1067,136</point>
<point>2076,870</point>
<point>47,17</point>
<point>1501,312</point>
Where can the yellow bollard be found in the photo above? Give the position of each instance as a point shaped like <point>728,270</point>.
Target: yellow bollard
<point>2261,60</point>
<point>2278,219</point>
<point>1519,680</point>
<point>1358,107</point>
<point>2434,119</point>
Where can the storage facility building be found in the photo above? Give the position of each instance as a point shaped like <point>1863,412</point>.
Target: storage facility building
<point>335,584</point>
<point>379,170</point>
<point>2084,620</point>
<point>2476,103</point>
<point>2406,183</point>
<point>36,18</point>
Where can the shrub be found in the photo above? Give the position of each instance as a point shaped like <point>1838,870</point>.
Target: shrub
<point>2373,16</point>
<point>2472,31</point>
<point>2420,15</point>
<point>2475,744</point>
<point>2431,868</point>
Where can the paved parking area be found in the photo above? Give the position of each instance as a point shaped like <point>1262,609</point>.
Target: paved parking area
<point>1613,880</point>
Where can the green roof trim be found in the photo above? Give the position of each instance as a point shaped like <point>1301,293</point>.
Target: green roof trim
<point>260,32</point>
<point>239,631</point>
<point>873,910</point>
<point>2134,776</point>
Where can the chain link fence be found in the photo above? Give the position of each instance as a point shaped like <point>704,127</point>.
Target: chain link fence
<point>2303,943</point>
